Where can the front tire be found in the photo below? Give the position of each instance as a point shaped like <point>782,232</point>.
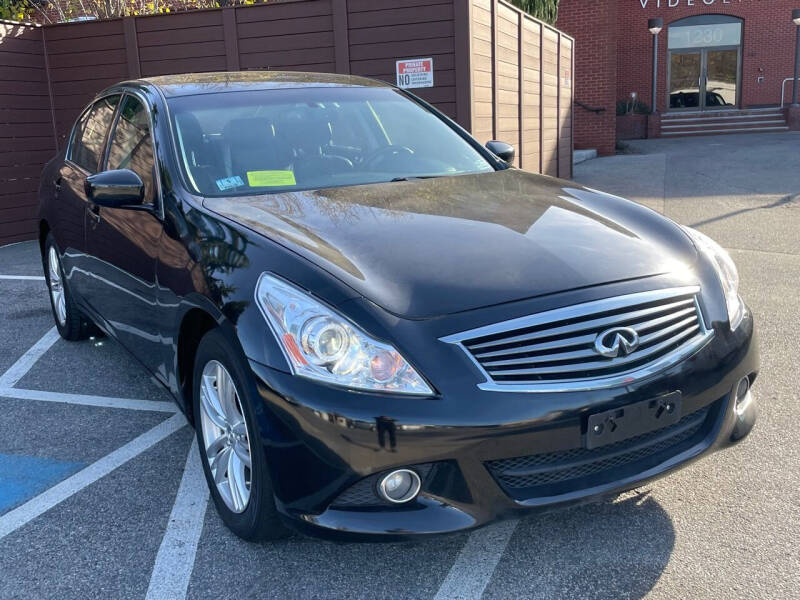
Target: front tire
<point>70,321</point>
<point>231,450</point>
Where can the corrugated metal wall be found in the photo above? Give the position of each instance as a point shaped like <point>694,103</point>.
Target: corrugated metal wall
<point>490,71</point>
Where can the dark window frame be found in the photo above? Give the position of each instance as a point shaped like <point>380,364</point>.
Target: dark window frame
<point>74,131</point>
<point>157,203</point>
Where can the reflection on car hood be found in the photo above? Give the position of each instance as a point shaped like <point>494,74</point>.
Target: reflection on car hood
<point>430,247</point>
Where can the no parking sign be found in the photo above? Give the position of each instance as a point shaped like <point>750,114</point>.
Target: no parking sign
<point>415,73</point>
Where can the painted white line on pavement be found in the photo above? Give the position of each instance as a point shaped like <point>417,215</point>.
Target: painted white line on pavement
<point>23,277</point>
<point>175,559</point>
<point>475,564</point>
<point>18,370</point>
<point>88,400</point>
<point>16,518</point>
<point>16,243</point>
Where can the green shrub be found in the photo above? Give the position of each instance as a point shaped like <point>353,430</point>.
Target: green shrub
<point>546,10</point>
<point>14,10</point>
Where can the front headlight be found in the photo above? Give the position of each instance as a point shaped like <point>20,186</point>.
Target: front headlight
<point>321,344</point>
<point>726,272</point>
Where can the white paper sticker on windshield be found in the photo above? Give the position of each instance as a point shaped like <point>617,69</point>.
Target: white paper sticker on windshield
<point>229,182</point>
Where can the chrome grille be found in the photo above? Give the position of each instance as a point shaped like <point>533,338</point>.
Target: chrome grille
<point>556,350</point>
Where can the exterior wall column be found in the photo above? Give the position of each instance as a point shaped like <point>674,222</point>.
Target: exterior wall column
<point>593,24</point>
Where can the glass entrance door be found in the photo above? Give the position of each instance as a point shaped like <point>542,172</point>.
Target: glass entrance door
<point>704,56</point>
<point>685,77</point>
<point>722,78</point>
<point>704,79</point>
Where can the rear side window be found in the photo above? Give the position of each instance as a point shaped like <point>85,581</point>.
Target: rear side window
<point>90,134</point>
<point>131,144</point>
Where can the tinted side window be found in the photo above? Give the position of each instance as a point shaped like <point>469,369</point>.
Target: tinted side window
<point>87,145</point>
<point>131,144</point>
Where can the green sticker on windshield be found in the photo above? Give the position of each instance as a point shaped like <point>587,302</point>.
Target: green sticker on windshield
<point>270,178</point>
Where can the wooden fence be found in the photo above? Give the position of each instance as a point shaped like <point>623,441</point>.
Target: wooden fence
<point>522,88</point>
<point>497,71</point>
<point>27,139</point>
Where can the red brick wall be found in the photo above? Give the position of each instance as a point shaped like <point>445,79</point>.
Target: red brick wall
<point>618,29</point>
<point>767,45</point>
<point>593,25</point>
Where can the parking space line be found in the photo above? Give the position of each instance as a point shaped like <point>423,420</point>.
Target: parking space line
<point>25,362</point>
<point>16,518</point>
<point>23,277</point>
<point>475,564</point>
<point>175,559</point>
<point>87,400</point>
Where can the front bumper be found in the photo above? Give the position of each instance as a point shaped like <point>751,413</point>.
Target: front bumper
<point>321,441</point>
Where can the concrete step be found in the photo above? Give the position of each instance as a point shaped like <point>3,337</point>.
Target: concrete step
<point>579,156</point>
<point>758,120</point>
<point>724,125</point>
<point>721,113</point>
<point>725,119</point>
<point>682,133</point>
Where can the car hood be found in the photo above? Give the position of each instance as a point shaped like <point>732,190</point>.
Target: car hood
<point>430,247</point>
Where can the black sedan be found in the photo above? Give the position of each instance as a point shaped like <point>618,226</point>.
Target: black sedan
<point>377,326</point>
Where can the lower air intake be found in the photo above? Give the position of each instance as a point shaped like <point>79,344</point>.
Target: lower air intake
<point>555,473</point>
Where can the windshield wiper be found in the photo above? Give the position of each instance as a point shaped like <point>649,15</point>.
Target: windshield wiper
<point>413,177</point>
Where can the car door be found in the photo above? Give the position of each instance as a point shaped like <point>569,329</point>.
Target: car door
<point>82,158</point>
<point>123,242</point>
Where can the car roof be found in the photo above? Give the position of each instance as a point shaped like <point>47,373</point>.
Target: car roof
<point>231,81</point>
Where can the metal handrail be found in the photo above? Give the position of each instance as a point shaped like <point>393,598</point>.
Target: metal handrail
<point>594,109</point>
<point>783,88</point>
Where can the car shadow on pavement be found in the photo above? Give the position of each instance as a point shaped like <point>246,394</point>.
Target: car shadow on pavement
<point>614,549</point>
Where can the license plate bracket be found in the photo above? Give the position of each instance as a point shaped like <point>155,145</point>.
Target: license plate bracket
<point>621,423</point>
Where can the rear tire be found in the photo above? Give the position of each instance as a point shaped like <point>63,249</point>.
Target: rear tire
<point>224,397</point>
<point>70,321</point>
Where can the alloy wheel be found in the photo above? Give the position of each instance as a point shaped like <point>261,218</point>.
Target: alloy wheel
<point>225,437</point>
<point>56,286</point>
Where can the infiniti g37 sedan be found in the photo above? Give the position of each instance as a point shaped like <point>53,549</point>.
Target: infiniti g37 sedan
<point>378,327</point>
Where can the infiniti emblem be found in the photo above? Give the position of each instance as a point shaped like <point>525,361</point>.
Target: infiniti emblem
<point>618,341</point>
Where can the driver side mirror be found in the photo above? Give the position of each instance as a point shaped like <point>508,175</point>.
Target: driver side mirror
<point>115,189</point>
<point>502,150</point>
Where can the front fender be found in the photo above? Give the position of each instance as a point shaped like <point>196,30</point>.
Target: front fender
<point>211,264</point>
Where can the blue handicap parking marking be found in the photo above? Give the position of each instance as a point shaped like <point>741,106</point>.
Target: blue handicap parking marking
<point>23,477</point>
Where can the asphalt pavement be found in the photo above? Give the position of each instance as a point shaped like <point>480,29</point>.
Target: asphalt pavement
<point>101,494</point>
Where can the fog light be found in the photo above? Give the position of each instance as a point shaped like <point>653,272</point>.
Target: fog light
<point>399,486</point>
<point>743,396</point>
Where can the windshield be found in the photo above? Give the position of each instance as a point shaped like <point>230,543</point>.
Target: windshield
<point>267,141</point>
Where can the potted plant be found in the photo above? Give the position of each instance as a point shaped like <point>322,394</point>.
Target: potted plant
<point>632,119</point>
